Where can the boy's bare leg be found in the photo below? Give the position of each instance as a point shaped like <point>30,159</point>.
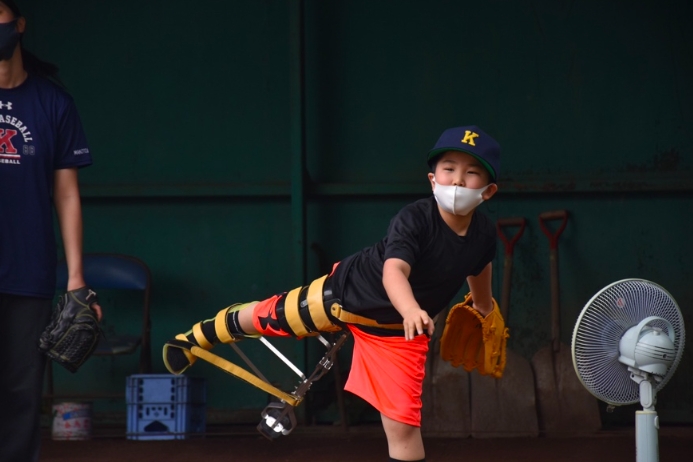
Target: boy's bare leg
<point>403,440</point>
<point>245,319</point>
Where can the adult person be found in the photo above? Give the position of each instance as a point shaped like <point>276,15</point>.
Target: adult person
<point>42,145</point>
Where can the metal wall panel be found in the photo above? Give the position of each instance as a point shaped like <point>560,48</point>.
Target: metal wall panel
<point>188,109</point>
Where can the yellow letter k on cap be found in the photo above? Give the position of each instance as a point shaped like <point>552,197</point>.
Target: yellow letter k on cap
<point>469,137</point>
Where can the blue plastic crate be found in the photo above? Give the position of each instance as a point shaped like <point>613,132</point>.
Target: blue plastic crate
<point>165,388</point>
<point>165,406</point>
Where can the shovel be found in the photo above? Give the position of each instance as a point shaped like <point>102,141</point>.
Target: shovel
<point>564,404</point>
<point>445,395</point>
<point>505,407</point>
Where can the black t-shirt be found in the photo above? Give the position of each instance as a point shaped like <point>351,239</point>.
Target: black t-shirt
<point>440,262</point>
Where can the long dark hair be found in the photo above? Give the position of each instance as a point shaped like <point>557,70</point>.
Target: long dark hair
<point>32,64</point>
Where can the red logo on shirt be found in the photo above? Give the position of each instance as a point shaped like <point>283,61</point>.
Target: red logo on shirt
<point>6,146</point>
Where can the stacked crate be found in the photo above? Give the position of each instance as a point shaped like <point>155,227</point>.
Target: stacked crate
<point>165,406</point>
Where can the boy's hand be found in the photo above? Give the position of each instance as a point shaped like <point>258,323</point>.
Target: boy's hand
<point>416,322</point>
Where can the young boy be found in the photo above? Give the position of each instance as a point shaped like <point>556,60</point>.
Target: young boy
<point>431,248</point>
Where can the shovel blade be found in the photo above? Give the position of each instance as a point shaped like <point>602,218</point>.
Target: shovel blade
<point>564,406</point>
<point>505,407</point>
<point>445,400</point>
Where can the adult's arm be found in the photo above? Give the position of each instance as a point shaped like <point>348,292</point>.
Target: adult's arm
<point>69,210</point>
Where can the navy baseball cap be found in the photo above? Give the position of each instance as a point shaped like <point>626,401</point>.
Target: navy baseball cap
<point>13,7</point>
<point>471,140</point>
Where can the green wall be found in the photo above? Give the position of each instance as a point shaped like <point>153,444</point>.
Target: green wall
<point>198,122</point>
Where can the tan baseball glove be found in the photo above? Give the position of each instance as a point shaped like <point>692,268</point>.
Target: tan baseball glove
<point>474,341</point>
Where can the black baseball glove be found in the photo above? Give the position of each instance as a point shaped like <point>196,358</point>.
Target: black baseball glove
<point>73,333</point>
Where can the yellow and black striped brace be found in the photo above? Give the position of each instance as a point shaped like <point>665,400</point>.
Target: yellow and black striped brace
<point>306,311</point>
<point>209,332</point>
<point>302,312</point>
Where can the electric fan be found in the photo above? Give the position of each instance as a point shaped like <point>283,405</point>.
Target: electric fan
<point>627,343</point>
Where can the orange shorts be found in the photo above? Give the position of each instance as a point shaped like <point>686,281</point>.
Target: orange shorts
<point>388,373</point>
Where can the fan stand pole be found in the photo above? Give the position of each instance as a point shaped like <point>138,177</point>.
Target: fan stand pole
<point>646,421</point>
<point>646,437</point>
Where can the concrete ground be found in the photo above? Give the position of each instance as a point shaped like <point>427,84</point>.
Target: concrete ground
<point>360,443</point>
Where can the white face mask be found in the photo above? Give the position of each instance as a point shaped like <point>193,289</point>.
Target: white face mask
<point>457,199</point>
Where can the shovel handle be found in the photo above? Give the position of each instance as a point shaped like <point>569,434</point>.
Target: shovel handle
<point>553,260</point>
<point>508,263</point>
<point>507,222</point>
<point>553,215</point>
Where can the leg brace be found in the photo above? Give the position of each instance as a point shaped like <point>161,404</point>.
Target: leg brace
<point>223,328</point>
<point>302,312</point>
<point>306,311</point>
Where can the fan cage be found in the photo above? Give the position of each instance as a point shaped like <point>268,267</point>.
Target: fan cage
<point>602,323</point>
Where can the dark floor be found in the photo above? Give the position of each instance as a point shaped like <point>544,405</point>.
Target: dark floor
<point>361,443</point>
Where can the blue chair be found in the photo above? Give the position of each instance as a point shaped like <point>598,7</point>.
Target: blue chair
<point>110,271</point>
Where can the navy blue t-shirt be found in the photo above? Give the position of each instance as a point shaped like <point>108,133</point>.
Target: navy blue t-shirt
<point>440,262</point>
<point>40,132</point>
